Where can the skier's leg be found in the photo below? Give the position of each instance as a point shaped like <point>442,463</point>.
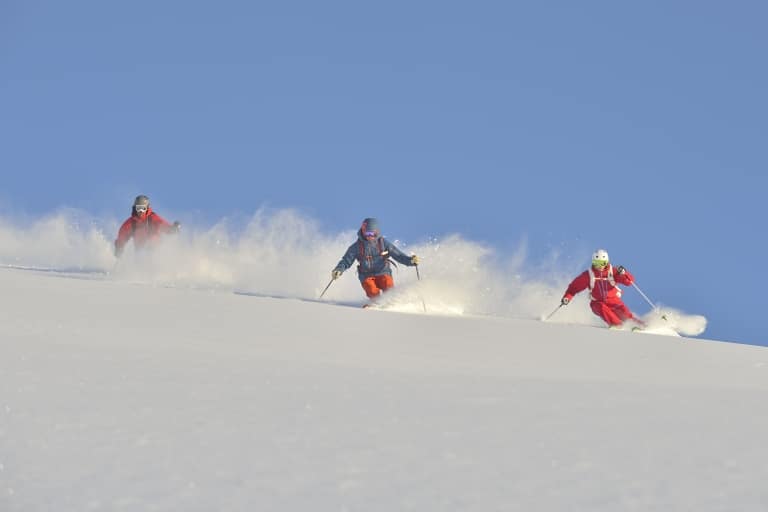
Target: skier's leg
<point>621,310</point>
<point>385,282</point>
<point>604,311</point>
<point>370,287</point>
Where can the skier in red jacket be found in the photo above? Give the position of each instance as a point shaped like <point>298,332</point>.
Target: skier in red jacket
<point>144,226</point>
<point>601,279</point>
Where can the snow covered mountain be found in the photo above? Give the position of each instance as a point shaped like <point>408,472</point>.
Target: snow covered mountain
<point>119,392</point>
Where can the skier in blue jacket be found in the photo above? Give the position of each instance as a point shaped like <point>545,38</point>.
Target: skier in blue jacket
<point>373,252</point>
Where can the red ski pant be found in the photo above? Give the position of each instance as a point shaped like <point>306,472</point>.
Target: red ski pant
<point>614,313</point>
<point>374,285</point>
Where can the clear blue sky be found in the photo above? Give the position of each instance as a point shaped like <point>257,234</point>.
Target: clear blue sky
<point>635,126</point>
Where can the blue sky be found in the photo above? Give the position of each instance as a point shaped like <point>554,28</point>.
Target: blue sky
<point>640,128</point>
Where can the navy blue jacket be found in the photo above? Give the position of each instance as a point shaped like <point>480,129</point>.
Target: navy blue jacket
<point>372,256</point>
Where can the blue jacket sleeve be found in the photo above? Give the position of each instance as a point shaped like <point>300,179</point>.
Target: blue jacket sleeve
<point>348,259</point>
<point>397,254</point>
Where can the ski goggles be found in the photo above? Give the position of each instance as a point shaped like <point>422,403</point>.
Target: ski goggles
<point>369,234</point>
<point>599,264</point>
<point>141,208</point>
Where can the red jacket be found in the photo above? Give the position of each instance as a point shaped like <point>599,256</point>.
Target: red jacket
<point>143,229</point>
<point>602,284</point>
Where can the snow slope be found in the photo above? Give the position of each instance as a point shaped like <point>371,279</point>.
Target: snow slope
<point>124,395</point>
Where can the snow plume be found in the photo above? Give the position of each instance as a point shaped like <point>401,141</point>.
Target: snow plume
<point>279,253</point>
<point>463,277</point>
<point>64,241</point>
<point>283,253</point>
<point>668,318</point>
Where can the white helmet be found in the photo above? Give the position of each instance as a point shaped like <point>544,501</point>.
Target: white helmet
<point>600,258</point>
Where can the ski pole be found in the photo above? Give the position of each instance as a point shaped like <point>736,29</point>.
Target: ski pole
<point>326,288</point>
<point>644,296</point>
<point>418,278</point>
<point>552,313</point>
<point>655,308</point>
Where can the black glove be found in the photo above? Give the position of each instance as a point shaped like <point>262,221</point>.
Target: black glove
<point>565,301</point>
<point>620,270</point>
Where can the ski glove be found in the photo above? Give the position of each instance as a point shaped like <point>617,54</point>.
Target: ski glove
<point>620,270</point>
<point>414,260</point>
<point>176,227</point>
<point>335,274</point>
<point>565,301</point>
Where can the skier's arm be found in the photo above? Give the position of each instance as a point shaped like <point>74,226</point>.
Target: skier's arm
<point>578,285</point>
<point>163,226</point>
<point>397,254</point>
<point>123,235</point>
<point>348,259</point>
<point>624,277</point>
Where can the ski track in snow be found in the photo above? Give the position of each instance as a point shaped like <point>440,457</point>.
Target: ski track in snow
<point>280,254</point>
<point>404,299</point>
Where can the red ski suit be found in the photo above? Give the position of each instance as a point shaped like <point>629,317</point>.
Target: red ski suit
<point>144,229</point>
<point>606,296</point>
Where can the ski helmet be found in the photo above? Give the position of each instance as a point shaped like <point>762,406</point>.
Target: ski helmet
<point>600,259</point>
<point>141,203</point>
<point>370,227</point>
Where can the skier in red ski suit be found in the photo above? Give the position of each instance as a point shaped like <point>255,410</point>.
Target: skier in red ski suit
<point>601,280</point>
<point>144,226</point>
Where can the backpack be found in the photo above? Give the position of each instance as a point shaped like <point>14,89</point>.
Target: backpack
<point>384,254</point>
<point>611,280</point>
